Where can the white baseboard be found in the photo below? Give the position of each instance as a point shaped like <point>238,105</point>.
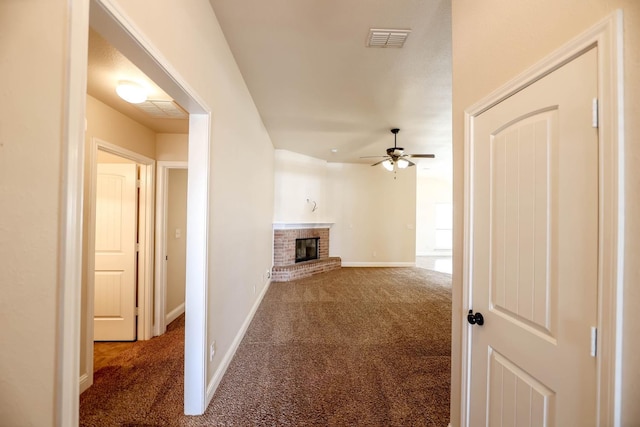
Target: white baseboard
<point>174,314</point>
<point>441,253</point>
<point>378,264</point>
<point>85,382</point>
<point>226,360</point>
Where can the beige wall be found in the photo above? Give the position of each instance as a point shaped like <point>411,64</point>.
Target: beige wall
<point>375,214</point>
<point>32,47</point>
<point>298,178</point>
<point>241,180</point>
<point>172,147</point>
<point>371,211</point>
<point>495,40</point>
<point>33,38</point>
<point>176,240</point>
<point>109,125</point>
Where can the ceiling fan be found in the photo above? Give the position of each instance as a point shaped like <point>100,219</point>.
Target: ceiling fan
<point>396,158</point>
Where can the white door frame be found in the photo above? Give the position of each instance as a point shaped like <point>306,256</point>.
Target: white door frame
<point>161,242</point>
<point>146,247</point>
<point>106,16</point>
<point>607,36</point>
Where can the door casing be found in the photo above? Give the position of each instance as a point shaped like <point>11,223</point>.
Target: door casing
<point>125,36</point>
<point>145,254</point>
<point>607,36</point>
<point>107,17</point>
<point>163,167</point>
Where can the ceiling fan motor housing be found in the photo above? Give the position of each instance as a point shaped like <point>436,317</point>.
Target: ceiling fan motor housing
<point>395,151</point>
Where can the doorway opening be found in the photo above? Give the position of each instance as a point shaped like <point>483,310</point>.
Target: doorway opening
<point>171,227</point>
<point>118,297</point>
<point>106,18</point>
<point>109,21</point>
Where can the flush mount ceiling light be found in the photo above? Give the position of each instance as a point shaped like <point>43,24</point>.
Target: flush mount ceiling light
<point>131,92</point>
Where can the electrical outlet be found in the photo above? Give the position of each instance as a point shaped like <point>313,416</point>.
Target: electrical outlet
<point>212,351</point>
<point>268,273</point>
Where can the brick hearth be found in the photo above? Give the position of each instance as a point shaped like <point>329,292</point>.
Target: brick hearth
<point>284,247</point>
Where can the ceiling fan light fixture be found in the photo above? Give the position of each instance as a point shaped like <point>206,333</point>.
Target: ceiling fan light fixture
<point>131,92</point>
<point>396,158</point>
<point>402,163</point>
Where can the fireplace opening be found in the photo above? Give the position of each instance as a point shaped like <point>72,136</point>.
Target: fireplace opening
<point>307,249</point>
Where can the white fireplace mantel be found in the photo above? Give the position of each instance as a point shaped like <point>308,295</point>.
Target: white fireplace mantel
<point>300,225</point>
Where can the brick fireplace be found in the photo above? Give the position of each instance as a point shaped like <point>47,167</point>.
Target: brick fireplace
<point>285,267</point>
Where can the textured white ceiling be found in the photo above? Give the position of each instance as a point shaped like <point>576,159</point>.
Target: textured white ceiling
<point>105,67</point>
<point>318,87</point>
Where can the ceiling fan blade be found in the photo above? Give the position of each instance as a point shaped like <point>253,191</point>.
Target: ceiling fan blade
<point>404,159</point>
<point>377,163</point>
<point>396,153</point>
<point>422,156</point>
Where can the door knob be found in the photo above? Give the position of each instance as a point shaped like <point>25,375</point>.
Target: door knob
<point>475,319</point>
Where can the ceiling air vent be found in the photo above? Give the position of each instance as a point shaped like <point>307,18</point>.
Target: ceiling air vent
<point>387,38</point>
<point>161,109</point>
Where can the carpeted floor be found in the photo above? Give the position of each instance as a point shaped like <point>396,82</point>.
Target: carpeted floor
<point>355,346</point>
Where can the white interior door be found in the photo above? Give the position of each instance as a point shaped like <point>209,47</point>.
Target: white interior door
<point>115,252</point>
<point>534,261</point>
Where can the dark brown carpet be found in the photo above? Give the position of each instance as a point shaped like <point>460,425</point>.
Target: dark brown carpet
<point>355,346</point>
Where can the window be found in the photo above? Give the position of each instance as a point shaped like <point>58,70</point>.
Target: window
<point>444,227</point>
